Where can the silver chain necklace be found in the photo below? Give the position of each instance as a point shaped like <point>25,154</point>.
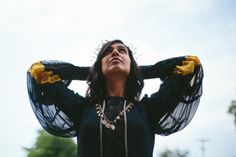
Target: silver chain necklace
<point>111,124</point>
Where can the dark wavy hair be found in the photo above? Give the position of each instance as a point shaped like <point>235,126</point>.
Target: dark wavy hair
<point>96,82</point>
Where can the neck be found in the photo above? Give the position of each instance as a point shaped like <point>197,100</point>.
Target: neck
<point>116,87</point>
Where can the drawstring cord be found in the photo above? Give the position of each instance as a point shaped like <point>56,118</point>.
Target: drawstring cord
<point>125,122</point>
<point>101,142</point>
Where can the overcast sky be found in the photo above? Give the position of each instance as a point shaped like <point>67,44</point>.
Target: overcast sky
<point>72,30</point>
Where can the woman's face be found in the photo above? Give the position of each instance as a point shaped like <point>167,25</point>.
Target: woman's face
<point>116,61</point>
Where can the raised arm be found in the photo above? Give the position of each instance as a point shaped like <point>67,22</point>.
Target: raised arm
<point>56,107</point>
<point>173,106</point>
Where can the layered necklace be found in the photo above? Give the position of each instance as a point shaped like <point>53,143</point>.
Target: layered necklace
<point>111,124</point>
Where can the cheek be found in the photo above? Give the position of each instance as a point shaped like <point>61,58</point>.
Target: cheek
<point>128,64</point>
<point>104,65</point>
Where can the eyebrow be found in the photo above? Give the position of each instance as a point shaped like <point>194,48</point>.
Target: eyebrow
<point>120,46</point>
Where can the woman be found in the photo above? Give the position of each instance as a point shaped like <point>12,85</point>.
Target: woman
<point>112,120</point>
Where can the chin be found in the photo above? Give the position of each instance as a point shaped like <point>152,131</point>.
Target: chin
<point>117,71</point>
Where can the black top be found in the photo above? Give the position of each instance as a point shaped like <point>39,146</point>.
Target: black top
<point>63,113</point>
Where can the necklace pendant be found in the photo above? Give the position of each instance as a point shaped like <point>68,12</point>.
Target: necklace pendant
<point>103,121</point>
<point>112,127</point>
<point>108,125</point>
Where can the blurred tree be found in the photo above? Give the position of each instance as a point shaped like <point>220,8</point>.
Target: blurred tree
<point>48,145</point>
<point>232,110</point>
<point>175,153</point>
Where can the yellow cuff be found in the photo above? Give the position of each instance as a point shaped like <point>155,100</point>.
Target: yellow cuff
<point>193,58</point>
<point>41,76</point>
<point>188,65</point>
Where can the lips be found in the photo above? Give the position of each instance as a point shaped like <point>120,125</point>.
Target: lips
<point>115,59</point>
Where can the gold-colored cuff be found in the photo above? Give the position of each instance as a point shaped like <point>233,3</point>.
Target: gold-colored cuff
<point>37,71</point>
<point>193,58</point>
<point>188,65</point>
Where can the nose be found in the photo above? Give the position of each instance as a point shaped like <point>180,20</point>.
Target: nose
<point>115,52</point>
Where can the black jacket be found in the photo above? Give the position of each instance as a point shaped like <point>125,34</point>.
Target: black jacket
<point>64,113</point>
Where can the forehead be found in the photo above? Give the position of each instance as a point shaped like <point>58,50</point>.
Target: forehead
<point>116,45</point>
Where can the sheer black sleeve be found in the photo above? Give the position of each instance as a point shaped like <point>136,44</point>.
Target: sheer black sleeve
<point>172,107</point>
<point>56,107</point>
<point>66,70</point>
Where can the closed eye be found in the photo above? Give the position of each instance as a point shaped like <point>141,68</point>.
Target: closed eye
<point>122,50</point>
<point>108,51</point>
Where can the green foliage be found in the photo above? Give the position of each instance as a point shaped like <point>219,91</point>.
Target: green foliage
<point>175,153</point>
<point>232,110</point>
<point>48,145</point>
